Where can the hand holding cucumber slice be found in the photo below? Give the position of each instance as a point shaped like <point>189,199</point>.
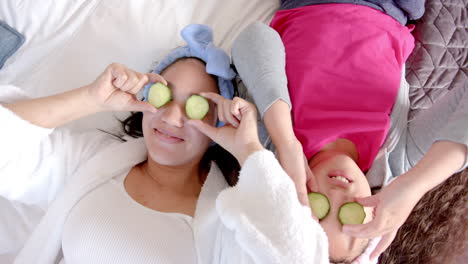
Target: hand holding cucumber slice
<point>351,213</point>
<point>159,95</point>
<point>319,204</point>
<point>196,107</point>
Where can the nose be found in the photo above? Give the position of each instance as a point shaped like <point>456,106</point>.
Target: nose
<point>173,115</point>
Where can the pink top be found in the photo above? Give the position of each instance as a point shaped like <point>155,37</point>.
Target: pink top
<point>343,63</point>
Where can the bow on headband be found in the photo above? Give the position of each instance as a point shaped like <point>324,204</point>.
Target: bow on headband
<point>200,45</point>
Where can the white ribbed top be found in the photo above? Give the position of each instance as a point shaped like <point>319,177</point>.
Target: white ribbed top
<point>108,226</point>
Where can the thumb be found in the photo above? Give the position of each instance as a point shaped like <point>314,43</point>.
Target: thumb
<point>210,131</point>
<point>153,77</point>
<point>140,106</point>
<point>302,194</point>
<point>369,201</point>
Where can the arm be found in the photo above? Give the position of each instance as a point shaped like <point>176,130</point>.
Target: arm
<point>267,221</point>
<point>35,161</point>
<point>443,159</point>
<point>438,153</point>
<point>56,110</point>
<point>262,210</point>
<point>113,90</point>
<point>259,56</point>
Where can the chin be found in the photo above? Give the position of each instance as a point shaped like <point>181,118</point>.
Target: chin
<point>168,159</point>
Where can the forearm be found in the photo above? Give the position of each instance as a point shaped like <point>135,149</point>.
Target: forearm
<point>55,110</point>
<point>443,159</point>
<point>278,123</point>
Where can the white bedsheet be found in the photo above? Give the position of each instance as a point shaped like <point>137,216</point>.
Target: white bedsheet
<point>69,42</point>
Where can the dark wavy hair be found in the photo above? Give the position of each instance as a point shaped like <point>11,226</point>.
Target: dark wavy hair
<point>227,163</point>
<point>436,230</point>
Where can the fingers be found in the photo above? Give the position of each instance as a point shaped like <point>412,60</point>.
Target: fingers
<point>140,106</point>
<point>372,229</point>
<point>302,194</point>
<point>235,107</point>
<point>228,110</point>
<point>131,81</point>
<point>311,182</point>
<point>383,245</point>
<point>143,79</point>
<point>119,77</point>
<point>216,98</point>
<point>228,114</point>
<point>375,228</point>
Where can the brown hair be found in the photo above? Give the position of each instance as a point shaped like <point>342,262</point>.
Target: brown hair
<point>436,230</point>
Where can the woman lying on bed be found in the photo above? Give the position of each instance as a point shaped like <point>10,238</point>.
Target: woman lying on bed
<point>162,198</point>
<point>346,111</point>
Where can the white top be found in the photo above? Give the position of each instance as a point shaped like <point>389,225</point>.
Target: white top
<point>108,226</point>
<point>260,220</point>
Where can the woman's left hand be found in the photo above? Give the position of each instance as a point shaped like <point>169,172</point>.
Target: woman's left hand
<point>239,136</point>
<point>392,206</point>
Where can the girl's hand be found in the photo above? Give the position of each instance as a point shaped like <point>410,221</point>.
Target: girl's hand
<point>116,87</point>
<point>239,136</point>
<point>392,206</point>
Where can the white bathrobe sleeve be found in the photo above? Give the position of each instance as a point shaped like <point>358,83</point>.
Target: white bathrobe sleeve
<point>36,162</point>
<point>266,220</point>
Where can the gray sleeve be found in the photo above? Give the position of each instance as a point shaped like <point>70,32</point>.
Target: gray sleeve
<point>447,119</point>
<point>259,57</point>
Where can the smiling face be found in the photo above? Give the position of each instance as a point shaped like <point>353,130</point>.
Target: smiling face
<point>168,139</point>
<point>341,180</point>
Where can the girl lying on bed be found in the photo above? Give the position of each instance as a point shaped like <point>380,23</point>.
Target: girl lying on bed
<point>346,112</point>
<point>162,198</point>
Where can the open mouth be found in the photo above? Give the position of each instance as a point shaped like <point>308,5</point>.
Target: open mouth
<point>339,178</point>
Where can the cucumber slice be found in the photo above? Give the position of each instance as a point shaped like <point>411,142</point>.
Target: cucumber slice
<point>197,107</point>
<point>319,204</point>
<point>351,213</point>
<point>159,95</point>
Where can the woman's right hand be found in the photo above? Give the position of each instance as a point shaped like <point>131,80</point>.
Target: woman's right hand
<point>115,89</point>
<point>239,136</point>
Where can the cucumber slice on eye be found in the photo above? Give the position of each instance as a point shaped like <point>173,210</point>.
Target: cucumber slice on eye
<point>351,213</point>
<point>319,204</point>
<point>159,95</point>
<point>196,107</point>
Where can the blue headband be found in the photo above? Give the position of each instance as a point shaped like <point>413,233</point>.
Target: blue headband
<point>200,45</point>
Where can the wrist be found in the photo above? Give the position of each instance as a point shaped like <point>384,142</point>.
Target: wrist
<point>89,100</point>
<point>410,181</point>
<point>248,150</point>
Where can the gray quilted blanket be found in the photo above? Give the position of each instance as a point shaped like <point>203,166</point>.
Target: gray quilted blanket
<point>440,58</point>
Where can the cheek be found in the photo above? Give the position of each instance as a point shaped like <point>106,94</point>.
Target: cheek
<point>197,138</point>
<point>147,119</point>
<point>363,186</point>
<point>321,176</point>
